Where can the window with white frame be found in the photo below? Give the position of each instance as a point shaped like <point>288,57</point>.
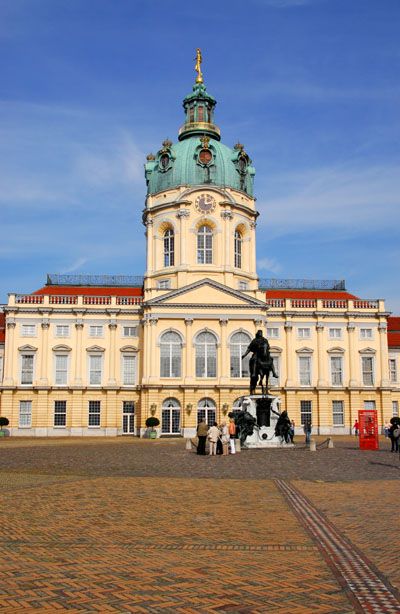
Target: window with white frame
<point>170,417</point>
<point>272,332</point>
<point>206,355</point>
<point>61,369</point>
<point>62,330</point>
<point>27,363</point>
<point>25,414</point>
<point>238,249</point>
<point>395,408</point>
<point>305,370</point>
<point>365,333</point>
<point>129,331</point>
<point>206,410</point>
<point>204,245</point>
<point>129,369</point>
<point>335,333</point>
<point>367,365</point>
<point>60,413</point>
<point>95,330</point>
<point>306,412</point>
<point>28,330</point>
<point>164,284</point>
<point>94,413</point>
<point>169,247</point>
<point>274,381</point>
<point>238,345</point>
<point>304,333</point>
<point>392,370</point>
<point>170,354</point>
<point>337,370</point>
<point>95,369</point>
<point>243,285</point>
<point>337,413</point>
<point>369,405</point>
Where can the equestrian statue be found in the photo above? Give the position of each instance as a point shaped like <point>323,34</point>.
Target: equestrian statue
<point>261,363</point>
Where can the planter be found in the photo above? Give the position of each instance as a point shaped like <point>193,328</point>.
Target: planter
<point>2,433</point>
<point>153,434</point>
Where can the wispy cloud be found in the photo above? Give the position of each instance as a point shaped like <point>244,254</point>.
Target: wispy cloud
<point>77,264</point>
<point>269,265</point>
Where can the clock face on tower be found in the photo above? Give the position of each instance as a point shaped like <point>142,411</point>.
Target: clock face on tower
<point>205,203</point>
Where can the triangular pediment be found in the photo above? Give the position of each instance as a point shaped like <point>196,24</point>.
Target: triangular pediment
<point>206,292</point>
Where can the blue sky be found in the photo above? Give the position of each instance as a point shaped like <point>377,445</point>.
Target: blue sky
<point>311,87</point>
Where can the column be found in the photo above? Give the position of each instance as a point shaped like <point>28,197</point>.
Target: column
<point>252,248</point>
<point>289,354</point>
<point>153,367</point>
<point>181,215</point>
<point>383,343</point>
<point>352,358</point>
<point>227,215</point>
<point>149,246</point>
<point>223,379</point>
<point>189,351</point>
<point>112,381</point>
<point>321,380</point>
<point>44,346</point>
<point>9,353</point>
<point>78,357</point>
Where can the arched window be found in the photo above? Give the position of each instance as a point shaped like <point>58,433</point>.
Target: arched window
<point>200,113</point>
<point>204,245</point>
<point>171,417</point>
<point>169,255</point>
<point>238,249</point>
<point>206,410</point>
<point>239,343</point>
<point>206,355</point>
<point>170,354</point>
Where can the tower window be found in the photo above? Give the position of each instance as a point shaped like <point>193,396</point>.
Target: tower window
<point>200,114</point>
<point>238,249</point>
<point>204,245</point>
<point>169,255</point>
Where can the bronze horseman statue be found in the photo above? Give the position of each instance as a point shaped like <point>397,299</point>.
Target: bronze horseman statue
<point>261,363</point>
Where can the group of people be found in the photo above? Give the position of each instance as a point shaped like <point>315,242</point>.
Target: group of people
<point>221,438</point>
<point>392,431</point>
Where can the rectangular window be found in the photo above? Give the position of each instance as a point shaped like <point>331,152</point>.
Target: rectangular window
<point>305,370</point>
<point>243,285</point>
<point>62,330</point>
<point>94,413</point>
<point>367,370</point>
<point>95,364</point>
<point>27,368</point>
<point>335,333</point>
<point>61,369</point>
<point>28,330</point>
<point>305,412</point>
<point>274,381</point>
<point>337,370</point>
<point>365,333</point>
<point>25,414</point>
<point>60,413</point>
<point>304,333</point>
<point>95,330</point>
<point>129,331</point>
<point>338,413</point>
<point>392,370</point>
<point>395,408</point>
<point>273,333</point>
<point>164,284</point>
<point>200,113</point>
<point>129,370</point>
<point>369,405</point>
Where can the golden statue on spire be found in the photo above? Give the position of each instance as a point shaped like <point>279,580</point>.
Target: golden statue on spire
<point>197,67</point>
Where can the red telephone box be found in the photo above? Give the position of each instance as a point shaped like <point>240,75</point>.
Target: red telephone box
<point>368,436</point>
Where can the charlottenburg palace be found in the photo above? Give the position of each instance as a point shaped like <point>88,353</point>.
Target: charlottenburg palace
<point>98,355</point>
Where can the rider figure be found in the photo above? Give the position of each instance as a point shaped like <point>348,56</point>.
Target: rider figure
<point>255,346</point>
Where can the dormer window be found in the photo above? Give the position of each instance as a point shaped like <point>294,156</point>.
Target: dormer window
<point>164,161</point>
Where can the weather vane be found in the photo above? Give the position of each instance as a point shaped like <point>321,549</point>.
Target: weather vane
<point>197,67</point>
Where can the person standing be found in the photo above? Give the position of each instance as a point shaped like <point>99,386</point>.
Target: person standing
<point>202,430</point>
<point>356,428</point>
<point>393,431</point>
<point>224,438</point>
<point>213,436</point>
<point>307,430</point>
<point>291,431</point>
<point>232,435</point>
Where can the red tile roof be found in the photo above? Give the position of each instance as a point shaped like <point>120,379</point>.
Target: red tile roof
<point>328,294</point>
<point>2,327</point>
<point>89,291</point>
<point>394,323</point>
<point>394,331</point>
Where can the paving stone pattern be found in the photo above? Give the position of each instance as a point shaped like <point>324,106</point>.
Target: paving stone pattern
<point>133,526</point>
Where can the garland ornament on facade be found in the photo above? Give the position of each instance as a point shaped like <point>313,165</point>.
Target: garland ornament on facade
<point>197,66</point>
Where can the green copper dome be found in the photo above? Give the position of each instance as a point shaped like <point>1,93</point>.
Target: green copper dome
<point>199,158</point>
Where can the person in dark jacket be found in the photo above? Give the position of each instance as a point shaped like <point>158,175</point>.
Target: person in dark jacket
<point>202,431</point>
<point>394,425</point>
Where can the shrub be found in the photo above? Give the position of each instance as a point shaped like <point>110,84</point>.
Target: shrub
<point>152,422</point>
<point>3,422</point>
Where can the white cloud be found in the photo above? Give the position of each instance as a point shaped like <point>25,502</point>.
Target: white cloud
<point>269,264</point>
<point>77,264</point>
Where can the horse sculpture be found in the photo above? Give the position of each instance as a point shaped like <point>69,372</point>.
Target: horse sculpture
<point>261,363</point>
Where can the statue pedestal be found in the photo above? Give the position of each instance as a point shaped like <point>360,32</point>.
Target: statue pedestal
<point>266,411</point>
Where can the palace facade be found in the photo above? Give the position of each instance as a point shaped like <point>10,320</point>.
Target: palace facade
<point>98,355</point>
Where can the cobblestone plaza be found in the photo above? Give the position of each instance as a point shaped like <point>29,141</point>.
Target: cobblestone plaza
<point>133,525</point>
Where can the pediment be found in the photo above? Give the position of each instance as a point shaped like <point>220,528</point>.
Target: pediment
<point>27,348</point>
<point>336,350</point>
<point>305,350</point>
<point>62,348</point>
<point>95,348</point>
<point>367,351</point>
<point>206,292</point>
